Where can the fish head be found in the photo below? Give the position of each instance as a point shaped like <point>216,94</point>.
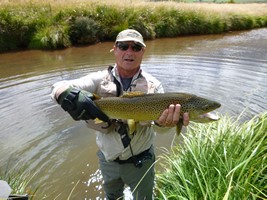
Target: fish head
<point>199,109</point>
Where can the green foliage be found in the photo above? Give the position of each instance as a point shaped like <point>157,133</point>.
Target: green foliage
<point>52,37</point>
<point>218,26</point>
<point>175,22</point>
<point>242,22</point>
<point>18,179</point>
<point>143,20</point>
<point>19,24</point>
<point>167,24</point>
<point>84,30</point>
<point>112,20</point>
<point>222,160</point>
<point>45,27</point>
<point>14,32</point>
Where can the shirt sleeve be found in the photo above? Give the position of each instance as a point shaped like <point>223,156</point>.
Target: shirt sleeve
<point>88,83</point>
<point>159,88</point>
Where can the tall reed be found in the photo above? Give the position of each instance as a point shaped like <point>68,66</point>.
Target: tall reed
<point>218,161</point>
<point>19,179</point>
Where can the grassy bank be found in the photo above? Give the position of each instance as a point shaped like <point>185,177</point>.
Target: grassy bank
<point>218,161</point>
<point>38,24</point>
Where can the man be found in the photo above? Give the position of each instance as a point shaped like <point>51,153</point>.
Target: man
<point>123,159</point>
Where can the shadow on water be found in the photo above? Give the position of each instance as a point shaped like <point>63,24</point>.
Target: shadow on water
<point>231,69</point>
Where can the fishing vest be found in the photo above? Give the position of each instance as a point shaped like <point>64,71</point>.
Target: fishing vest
<point>111,84</point>
<point>108,84</point>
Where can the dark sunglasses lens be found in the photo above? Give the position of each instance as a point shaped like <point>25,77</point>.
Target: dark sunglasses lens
<point>123,46</point>
<point>136,47</point>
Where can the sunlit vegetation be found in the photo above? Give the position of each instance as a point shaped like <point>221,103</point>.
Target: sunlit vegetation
<point>19,179</point>
<point>222,160</point>
<point>38,24</point>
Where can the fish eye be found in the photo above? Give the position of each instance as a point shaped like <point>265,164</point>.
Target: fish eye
<point>205,107</point>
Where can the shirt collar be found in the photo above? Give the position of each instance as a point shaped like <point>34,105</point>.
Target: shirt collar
<point>117,76</point>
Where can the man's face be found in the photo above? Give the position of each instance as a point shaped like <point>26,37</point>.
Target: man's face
<point>128,56</point>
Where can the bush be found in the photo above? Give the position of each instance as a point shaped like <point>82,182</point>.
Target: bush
<point>14,32</point>
<point>242,22</point>
<point>84,30</point>
<point>52,37</point>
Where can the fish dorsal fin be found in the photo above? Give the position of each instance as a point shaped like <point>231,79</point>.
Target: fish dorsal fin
<point>133,94</point>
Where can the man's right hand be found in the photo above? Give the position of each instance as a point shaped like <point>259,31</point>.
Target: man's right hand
<point>80,105</point>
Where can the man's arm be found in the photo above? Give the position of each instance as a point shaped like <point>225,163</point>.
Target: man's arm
<point>60,90</point>
<point>76,97</point>
<point>79,104</point>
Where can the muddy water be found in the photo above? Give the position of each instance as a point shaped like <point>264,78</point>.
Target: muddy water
<point>34,131</point>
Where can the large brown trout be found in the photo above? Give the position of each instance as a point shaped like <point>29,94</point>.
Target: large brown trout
<point>139,106</point>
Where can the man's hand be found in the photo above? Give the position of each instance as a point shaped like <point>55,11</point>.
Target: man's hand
<point>80,105</point>
<point>171,116</point>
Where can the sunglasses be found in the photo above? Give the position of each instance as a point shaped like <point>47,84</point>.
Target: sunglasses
<point>124,46</point>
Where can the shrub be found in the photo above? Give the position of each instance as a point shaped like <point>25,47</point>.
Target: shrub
<point>84,30</point>
<point>51,37</point>
<point>241,22</point>
<point>14,32</point>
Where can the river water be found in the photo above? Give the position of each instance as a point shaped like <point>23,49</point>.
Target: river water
<point>230,68</point>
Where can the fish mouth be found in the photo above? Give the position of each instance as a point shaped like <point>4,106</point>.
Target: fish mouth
<point>206,117</point>
<point>211,116</point>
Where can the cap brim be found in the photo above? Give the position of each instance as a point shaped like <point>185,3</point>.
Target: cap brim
<point>131,39</point>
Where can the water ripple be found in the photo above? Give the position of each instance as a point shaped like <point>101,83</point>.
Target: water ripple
<point>231,69</point>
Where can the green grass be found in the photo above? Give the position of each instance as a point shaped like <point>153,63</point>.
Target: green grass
<point>19,179</point>
<point>225,160</point>
<point>224,1</point>
<point>35,24</point>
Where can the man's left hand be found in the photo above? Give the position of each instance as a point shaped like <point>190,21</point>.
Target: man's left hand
<point>171,116</point>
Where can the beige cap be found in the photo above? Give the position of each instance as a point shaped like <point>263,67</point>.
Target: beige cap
<point>130,35</point>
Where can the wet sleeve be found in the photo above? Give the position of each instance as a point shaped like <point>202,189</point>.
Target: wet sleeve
<point>88,83</point>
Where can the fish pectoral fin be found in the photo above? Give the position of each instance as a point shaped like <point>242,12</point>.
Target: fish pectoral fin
<point>96,97</point>
<point>98,121</point>
<point>179,127</point>
<point>131,126</point>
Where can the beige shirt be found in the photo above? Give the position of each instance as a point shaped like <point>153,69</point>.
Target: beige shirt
<point>109,140</point>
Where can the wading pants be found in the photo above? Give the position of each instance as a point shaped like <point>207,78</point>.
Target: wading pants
<point>116,175</point>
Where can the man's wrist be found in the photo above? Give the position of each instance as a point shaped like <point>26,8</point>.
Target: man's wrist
<point>61,91</point>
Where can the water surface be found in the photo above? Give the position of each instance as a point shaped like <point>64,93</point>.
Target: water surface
<point>230,68</point>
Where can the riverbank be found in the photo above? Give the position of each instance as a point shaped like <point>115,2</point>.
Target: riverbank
<point>61,24</point>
